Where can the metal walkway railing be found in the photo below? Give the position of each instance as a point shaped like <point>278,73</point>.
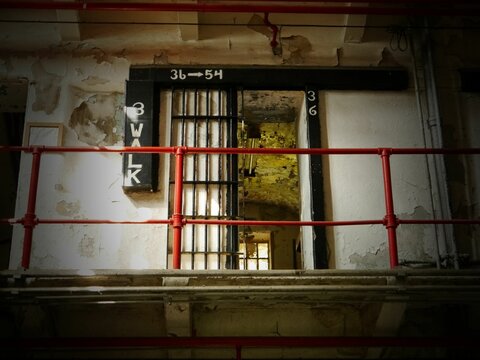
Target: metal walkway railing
<point>178,221</point>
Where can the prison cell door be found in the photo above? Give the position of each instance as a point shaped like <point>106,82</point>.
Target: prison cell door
<point>206,118</point>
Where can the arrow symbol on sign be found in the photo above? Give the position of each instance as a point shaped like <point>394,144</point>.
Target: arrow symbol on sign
<point>197,74</point>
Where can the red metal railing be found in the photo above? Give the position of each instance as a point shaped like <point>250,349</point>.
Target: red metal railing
<point>380,7</point>
<point>178,221</point>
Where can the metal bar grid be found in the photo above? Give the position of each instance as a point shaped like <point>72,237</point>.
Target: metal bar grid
<point>200,117</point>
<point>178,221</point>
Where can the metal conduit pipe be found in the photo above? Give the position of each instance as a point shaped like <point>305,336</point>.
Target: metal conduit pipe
<point>435,124</point>
<point>429,160</point>
<point>451,8</point>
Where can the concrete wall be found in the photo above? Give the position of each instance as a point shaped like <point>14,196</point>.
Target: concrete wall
<point>470,110</point>
<point>371,120</point>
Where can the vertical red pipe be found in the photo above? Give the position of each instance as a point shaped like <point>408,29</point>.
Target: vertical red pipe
<point>238,351</point>
<point>29,220</point>
<point>390,218</point>
<point>178,207</point>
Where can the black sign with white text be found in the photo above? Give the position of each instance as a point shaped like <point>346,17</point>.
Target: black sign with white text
<point>282,78</point>
<point>140,171</point>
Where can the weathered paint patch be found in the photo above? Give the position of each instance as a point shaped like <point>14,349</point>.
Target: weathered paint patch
<point>94,80</point>
<point>97,120</point>
<point>161,58</point>
<point>100,56</point>
<point>388,59</point>
<point>371,260</point>
<point>59,187</point>
<point>413,245</point>
<point>298,47</point>
<point>69,209</point>
<point>47,89</point>
<point>87,247</point>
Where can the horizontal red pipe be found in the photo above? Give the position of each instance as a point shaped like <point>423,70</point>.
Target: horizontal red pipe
<point>247,222</point>
<point>256,342</point>
<point>199,150</point>
<point>413,151</point>
<point>279,151</point>
<point>439,221</point>
<point>82,149</point>
<point>449,10</point>
<point>281,223</point>
<point>100,221</point>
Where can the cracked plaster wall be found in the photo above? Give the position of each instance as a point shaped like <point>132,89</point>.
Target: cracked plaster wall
<point>85,94</point>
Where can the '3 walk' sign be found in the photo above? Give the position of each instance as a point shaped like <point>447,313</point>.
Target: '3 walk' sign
<point>140,171</point>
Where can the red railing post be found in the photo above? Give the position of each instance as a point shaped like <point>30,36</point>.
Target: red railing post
<point>390,220</point>
<point>178,207</point>
<point>30,219</point>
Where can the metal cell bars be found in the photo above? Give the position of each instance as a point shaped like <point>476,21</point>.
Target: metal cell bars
<point>204,118</point>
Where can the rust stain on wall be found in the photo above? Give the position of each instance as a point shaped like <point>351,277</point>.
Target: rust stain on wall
<point>47,89</point>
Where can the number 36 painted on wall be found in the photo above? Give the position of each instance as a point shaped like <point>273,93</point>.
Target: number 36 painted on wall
<point>312,97</point>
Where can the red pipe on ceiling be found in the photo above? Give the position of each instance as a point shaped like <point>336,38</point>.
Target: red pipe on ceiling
<point>449,8</point>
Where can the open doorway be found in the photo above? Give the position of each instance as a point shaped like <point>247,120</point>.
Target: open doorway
<point>269,184</point>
